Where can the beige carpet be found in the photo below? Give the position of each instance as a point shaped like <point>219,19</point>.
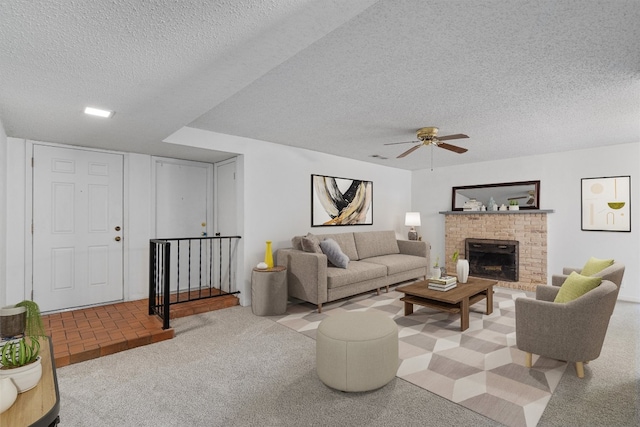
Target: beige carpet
<point>480,368</point>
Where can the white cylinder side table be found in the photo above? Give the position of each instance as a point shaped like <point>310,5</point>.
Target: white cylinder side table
<point>269,291</point>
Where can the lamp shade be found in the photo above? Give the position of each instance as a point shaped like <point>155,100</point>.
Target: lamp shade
<point>412,219</point>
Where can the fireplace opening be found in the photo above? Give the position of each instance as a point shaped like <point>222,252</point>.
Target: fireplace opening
<point>493,259</point>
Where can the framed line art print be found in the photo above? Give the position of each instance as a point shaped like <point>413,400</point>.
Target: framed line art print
<point>340,201</point>
<point>606,204</point>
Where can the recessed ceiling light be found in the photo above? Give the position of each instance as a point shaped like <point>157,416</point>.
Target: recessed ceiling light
<point>98,112</point>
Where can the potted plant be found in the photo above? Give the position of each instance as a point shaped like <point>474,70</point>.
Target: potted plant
<point>435,271</point>
<point>12,321</point>
<point>513,205</point>
<point>20,357</point>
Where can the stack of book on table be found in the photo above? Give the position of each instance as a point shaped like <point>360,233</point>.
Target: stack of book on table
<point>443,283</point>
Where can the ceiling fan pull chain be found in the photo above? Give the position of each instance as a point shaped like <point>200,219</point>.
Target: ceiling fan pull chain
<point>431,157</point>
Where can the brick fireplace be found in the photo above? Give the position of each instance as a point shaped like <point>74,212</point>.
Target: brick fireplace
<point>529,228</point>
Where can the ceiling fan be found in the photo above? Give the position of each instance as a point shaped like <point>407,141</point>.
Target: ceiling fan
<point>429,136</point>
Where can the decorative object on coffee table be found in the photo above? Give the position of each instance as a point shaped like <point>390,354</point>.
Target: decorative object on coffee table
<point>13,321</point>
<point>462,270</point>
<point>40,405</point>
<point>19,357</point>
<point>8,393</point>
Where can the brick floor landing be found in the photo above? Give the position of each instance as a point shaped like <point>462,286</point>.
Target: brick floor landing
<point>92,332</point>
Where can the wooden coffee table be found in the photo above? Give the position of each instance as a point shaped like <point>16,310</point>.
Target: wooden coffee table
<point>456,300</point>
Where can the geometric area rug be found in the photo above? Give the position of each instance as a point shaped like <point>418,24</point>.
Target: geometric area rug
<point>480,368</point>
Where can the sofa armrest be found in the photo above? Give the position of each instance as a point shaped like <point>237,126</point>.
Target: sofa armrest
<point>568,270</point>
<point>540,325</point>
<point>546,293</point>
<point>306,274</point>
<point>558,279</point>
<point>415,247</point>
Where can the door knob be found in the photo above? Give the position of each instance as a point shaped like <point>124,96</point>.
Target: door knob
<point>117,228</point>
<point>117,238</point>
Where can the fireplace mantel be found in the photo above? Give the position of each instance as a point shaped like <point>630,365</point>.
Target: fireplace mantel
<point>518,212</point>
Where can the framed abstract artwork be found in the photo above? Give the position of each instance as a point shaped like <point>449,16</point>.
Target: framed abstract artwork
<point>606,204</point>
<point>340,201</point>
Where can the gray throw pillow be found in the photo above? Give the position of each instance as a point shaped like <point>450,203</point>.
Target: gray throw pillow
<point>310,243</point>
<point>296,242</point>
<point>334,254</point>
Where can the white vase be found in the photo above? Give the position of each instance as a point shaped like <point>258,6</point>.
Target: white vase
<point>462,270</point>
<point>8,394</point>
<point>25,377</point>
<point>435,272</point>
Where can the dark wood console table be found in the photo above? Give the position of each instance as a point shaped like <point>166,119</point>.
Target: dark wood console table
<point>38,407</point>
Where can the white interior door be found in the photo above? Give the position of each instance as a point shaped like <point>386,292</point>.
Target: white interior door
<point>183,208</point>
<point>182,196</point>
<point>77,227</point>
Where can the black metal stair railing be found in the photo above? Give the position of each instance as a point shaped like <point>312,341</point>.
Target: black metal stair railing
<point>189,269</point>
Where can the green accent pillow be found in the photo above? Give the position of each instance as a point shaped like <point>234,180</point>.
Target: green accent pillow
<point>575,286</point>
<point>595,265</point>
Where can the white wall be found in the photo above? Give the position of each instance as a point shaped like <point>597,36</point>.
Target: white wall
<point>276,204</point>
<point>16,220</point>
<point>3,216</point>
<point>273,197</point>
<point>138,231</point>
<point>559,175</point>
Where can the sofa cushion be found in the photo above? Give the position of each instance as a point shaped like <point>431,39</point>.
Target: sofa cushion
<point>397,263</point>
<point>595,265</point>
<point>311,243</point>
<point>335,256</point>
<point>575,286</point>
<point>356,271</point>
<point>376,243</point>
<point>346,243</point>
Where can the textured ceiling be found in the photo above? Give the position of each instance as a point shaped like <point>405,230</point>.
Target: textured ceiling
<point>518,77</point>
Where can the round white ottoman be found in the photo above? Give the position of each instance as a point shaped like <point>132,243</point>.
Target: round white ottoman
<point>357,351</point>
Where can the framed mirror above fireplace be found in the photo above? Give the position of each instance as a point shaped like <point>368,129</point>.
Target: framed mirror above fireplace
<point>526,193</point>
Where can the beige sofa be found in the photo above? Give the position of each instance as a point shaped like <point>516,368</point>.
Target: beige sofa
<point>376,259</point>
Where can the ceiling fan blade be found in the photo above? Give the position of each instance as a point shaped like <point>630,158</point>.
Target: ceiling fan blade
<point>404,142</point>
<point>409,151</point>
<point>456,136</point>
<point>453,148</point>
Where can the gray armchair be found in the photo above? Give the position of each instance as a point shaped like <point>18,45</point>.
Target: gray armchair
<point>572,331</point>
